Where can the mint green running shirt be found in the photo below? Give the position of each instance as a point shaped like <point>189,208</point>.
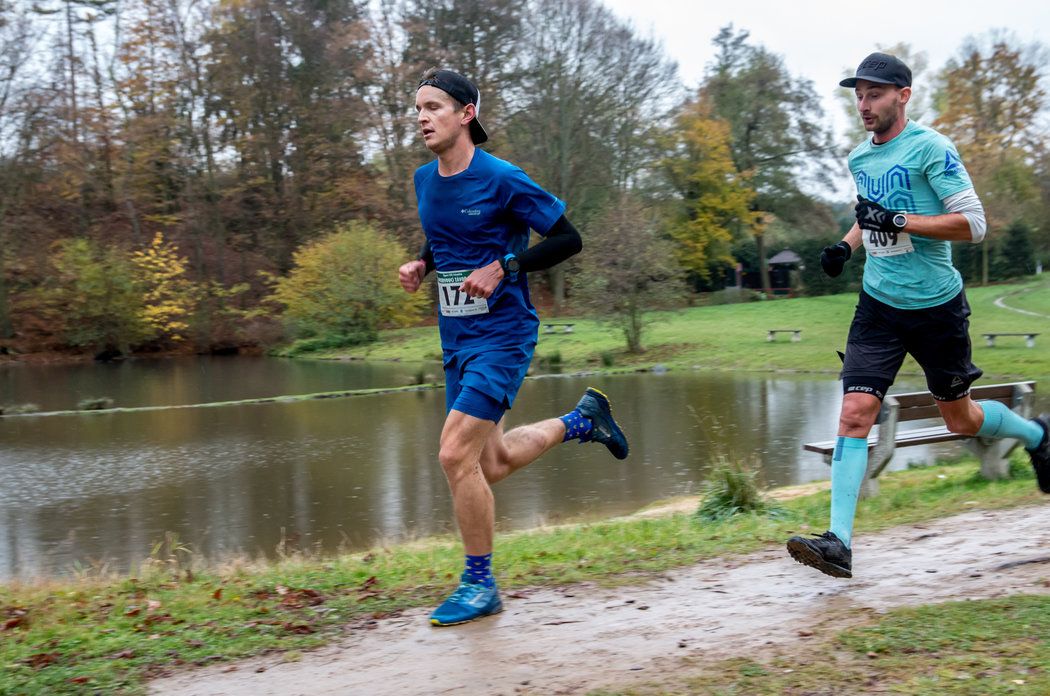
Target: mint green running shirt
<point>913,173</point>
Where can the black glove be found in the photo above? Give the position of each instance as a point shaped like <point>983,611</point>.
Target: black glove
<point>873,217</point>
<point>834,257</point>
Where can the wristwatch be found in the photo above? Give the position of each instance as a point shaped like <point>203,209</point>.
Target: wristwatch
<point>900,220</point>
<point>511,266</point>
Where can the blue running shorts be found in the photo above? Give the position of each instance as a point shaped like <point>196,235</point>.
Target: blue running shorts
<point>483,384</point>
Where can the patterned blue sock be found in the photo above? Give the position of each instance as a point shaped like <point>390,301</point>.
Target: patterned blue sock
<point>577,426</point>
<point>1000,422</point>
<point>479,570</point>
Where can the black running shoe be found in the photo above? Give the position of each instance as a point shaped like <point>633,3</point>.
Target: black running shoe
<point>595,406</point>
<point>1041,455</point>
<point>826,553</point>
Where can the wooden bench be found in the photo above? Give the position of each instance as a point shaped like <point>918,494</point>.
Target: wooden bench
<point>1029,338</point>
<point>554,326</point>
<point>913,406</point>
<point>796,334</point>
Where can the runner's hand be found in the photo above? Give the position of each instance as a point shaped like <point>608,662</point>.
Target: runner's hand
<point>872,216</point>
<point>484,281</point>
<point>411,274</point>
<point>834,258</point>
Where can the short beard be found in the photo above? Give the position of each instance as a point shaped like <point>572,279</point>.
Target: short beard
<point>880,127</point>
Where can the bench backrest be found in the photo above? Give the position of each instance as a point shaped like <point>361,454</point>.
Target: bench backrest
<point>918,405</point>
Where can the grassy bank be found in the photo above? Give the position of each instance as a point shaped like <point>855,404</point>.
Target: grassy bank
<point>734,336</point>
<point>109,634</point>
<point>996,646</point>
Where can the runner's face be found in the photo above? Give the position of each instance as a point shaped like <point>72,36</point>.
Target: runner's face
<point>439,121</point>
<point>880,106</point>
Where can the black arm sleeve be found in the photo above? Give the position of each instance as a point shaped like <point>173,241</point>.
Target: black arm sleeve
<point>427,256</point>
<point>561,242</point>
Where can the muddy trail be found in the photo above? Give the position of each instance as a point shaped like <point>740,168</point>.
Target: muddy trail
<point>573,639</point>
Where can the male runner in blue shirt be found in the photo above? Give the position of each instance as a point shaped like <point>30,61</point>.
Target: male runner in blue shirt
<point>476,211</point>
<point>915,199</point>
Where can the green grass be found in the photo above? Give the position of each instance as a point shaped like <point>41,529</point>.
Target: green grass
<point>109,634</point>
<point>734,337</point>
<point>975,648</point>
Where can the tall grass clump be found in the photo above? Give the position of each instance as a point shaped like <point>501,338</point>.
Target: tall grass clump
<point>732,489</point>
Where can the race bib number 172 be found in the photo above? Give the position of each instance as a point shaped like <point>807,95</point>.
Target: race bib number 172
<point>453,301</point>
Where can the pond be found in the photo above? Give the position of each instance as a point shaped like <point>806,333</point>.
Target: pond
<point>100,489</point>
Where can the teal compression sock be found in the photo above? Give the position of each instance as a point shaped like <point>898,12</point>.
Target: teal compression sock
<point>848,465</point>
<point>1000,422</point>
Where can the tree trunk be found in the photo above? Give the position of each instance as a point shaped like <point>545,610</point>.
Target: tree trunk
<point>763,267</point>
<point>556,279</point>
<point>984,263</point>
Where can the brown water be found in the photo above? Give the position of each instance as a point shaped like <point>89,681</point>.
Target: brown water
<point>98,489</point>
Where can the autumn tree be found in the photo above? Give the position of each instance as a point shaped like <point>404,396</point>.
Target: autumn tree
<point>990,102</point>
<point>779,136</point>
<point>343,288</point>
<point>94,297</point>
<point>285,78</point>
<point>588,95</point>
<point>16,43</point>
<point>634,273</point>
<point>713,204</point>
<point>169,296</point>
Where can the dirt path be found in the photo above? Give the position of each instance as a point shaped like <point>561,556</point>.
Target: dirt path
<point>573,639</point>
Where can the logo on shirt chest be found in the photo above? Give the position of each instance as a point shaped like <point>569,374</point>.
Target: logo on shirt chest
<point>892,189</point>
<point>472,212</point>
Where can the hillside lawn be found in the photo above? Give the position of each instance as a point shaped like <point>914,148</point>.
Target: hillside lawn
<point>734,336</point>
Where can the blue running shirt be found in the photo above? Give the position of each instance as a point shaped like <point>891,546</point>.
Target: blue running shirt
<point>912,173</point>
<point>472,219</point>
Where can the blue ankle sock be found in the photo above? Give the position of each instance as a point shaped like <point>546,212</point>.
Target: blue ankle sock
<point>577,426</point>
<point>1000,422</point>
<point>848,465</point>
<point>479,569</point>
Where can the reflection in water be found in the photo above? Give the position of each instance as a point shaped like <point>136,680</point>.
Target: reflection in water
<point>344,473</point>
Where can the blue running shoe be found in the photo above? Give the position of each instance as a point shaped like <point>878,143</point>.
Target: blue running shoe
<point>470,601</point>
<point>594,405</point>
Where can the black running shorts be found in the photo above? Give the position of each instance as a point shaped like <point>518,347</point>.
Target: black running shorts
<point>937,337</point>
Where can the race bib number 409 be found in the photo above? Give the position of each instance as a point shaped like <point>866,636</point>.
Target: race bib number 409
<point>453,301</point>
<point>879,243</point>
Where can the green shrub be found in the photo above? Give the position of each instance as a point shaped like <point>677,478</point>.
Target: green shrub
<point>343,288</point>
<point>731,489</point>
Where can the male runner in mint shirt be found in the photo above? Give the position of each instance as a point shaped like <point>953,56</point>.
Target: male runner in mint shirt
<point>476,211</point>
<point>915,198</point>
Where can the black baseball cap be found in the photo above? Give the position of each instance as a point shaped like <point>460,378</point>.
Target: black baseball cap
<point>462,90</point>
<point>883,68</point>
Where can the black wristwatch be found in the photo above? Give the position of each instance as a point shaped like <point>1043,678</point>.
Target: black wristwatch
<point>511,266</point>
<point>900,220</point>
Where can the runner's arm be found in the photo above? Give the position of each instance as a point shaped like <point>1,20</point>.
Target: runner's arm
<point>967,204</point>
<point>853,237</point>
<point>964,221</point>
<point>561,242</point>
<point>427,256</point>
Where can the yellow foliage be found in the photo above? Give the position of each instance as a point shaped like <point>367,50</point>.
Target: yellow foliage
<point>345,284</point>
<point>716,198</point>
<point>170,297</point>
